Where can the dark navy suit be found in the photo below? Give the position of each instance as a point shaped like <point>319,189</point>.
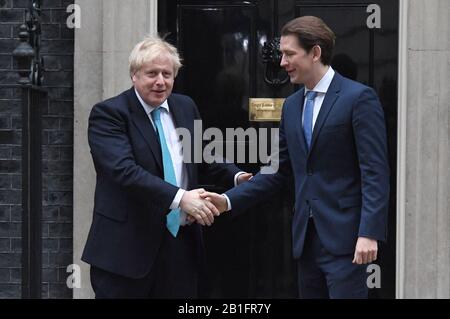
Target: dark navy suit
<point>343,179</point>
<point>129,248</point>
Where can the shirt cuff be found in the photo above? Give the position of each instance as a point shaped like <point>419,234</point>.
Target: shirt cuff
<point>235,179</point>
<point>176,201</point>
<point>228,202</point>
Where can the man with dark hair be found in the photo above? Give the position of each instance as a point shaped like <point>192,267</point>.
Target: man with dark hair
<point>333,141</point>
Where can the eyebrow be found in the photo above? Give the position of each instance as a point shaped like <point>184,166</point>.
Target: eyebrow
<point>158,70</point>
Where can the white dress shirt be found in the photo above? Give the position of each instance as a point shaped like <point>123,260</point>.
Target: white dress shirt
<point>174,145</point>
<point>321,88</point>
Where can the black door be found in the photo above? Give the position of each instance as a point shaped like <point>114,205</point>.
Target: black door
<point>225,46</point>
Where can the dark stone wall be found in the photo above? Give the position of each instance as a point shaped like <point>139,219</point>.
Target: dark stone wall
<point>57,49</point>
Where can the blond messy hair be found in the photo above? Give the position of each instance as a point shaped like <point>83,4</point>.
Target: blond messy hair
<point>149,49</point>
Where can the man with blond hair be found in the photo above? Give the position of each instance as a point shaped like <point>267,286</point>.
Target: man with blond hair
<point>141,243</point>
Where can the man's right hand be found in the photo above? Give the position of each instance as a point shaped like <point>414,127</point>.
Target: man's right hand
<point>201,210</point>
<point>219,201</point>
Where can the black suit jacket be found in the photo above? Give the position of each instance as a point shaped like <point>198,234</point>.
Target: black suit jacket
<point>131,196</point>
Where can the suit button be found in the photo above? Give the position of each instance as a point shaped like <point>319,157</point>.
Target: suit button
<point>310,173</point>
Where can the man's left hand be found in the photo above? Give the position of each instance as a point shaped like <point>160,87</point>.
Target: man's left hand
<point>244,177</point>
<point>366,251</point>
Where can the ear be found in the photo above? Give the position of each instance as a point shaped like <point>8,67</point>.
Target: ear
<point>317,53</point>
<point>134,77</point>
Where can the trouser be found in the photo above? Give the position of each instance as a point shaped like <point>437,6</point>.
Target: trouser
<point>323,275</point>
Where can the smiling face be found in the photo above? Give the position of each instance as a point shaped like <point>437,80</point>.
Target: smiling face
<point>154,80</point>
<point>298,63</point>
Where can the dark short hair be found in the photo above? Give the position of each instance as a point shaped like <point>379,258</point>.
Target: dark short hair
<point>311,31</point>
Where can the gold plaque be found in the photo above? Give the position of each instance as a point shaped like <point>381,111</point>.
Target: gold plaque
<point>265,109</point>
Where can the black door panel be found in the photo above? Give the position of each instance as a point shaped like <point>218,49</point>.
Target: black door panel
<point>221,43</point>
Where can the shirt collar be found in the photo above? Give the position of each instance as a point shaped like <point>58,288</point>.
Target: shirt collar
<point>324,83</point>
<point>147,108</point>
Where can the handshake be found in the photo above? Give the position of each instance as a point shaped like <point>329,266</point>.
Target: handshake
<point>201,206</point>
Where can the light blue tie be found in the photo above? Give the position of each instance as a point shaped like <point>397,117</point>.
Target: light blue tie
<point>308,116</point>
<point>173,218</point>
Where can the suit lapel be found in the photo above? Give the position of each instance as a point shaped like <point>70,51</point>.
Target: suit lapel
<point>144,126</point>
<point>177,113</point>
<point>330,98</point>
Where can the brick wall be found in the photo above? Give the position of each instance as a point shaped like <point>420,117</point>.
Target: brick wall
<point>57,51</point>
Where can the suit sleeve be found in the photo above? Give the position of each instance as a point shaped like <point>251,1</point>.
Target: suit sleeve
<point>370,139</point>
<point>263,186</point>
<point>113,156</point>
